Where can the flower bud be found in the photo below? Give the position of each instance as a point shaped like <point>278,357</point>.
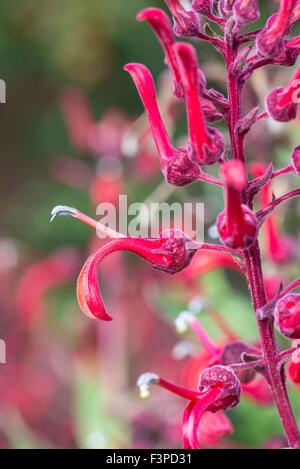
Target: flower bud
<point>246,11</point>
<point>287,315</point>
<point>225,8</point>
<point>231,354</point>
<point>186,23</point>
<point>237,224</point>
<point>269,41</point>
<point>204,7</point>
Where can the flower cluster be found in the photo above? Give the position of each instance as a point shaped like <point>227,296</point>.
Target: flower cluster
<point>233,366</point>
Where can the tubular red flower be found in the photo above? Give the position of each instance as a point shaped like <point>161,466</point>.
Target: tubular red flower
<point>186,23</point>
<point>279,249</point>
<point>207,144</point>
<point>161,25</point>
<point>171,253</point>
<point>246,11</point>
<point>237,224</point>
<point>287,315</point>
<point>269,41</point>
<point>219,389</point>
<point>177,167</point>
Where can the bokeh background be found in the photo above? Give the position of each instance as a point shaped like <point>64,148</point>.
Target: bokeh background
<point>71,134</point>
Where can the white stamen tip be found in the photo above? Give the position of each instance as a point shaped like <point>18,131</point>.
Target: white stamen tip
<point>198,304</point>
<point>184,349</point>
<point>62,210</point>
<point>144,382</point>
<point>183,321</point>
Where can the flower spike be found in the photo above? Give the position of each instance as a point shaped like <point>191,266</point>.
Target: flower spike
<point>186,23</point>
<point>269,41</point>
<point>237,224</point>
<point>171,253</point>
<point>177,167</point>
<point>161,25</point>
<point>282,102</point>
<point>207,144</point>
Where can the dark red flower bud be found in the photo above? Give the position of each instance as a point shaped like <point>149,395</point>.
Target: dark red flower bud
<point>237,224</point>
<point>171,253</point>
<point>269,41</point>
<point>161,25</point>
<point>232,353</point>
<point>177,166</point>
<point>225,8</point>
<point>204,7</point>
<point>296,160</point>
<point>207,144</point>
<point>186,23</point>
<point>287,315</point>
<point>222,377</point>
<point>210,112</point>
<point>246,11</point>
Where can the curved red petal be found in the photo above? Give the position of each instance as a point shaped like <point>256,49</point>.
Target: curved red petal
<point>88,293</point>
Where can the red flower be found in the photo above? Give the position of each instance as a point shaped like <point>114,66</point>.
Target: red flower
<point>269,41</point>
<point>246,11</point>
<point>207,144</point>
<point>177,166</point>
<point>186,23</point>
<point>170,253</point>
<point>279,248</point>
<point>161,24</point>
<point>219,389</point>
<point>237,224</point>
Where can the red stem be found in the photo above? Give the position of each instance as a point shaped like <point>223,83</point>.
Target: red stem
<point>274,370</point>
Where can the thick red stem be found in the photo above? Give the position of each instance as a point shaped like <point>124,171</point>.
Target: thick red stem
<point>274,372</point>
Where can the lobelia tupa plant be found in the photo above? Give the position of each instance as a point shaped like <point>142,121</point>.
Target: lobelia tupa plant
<point>233,365</point>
